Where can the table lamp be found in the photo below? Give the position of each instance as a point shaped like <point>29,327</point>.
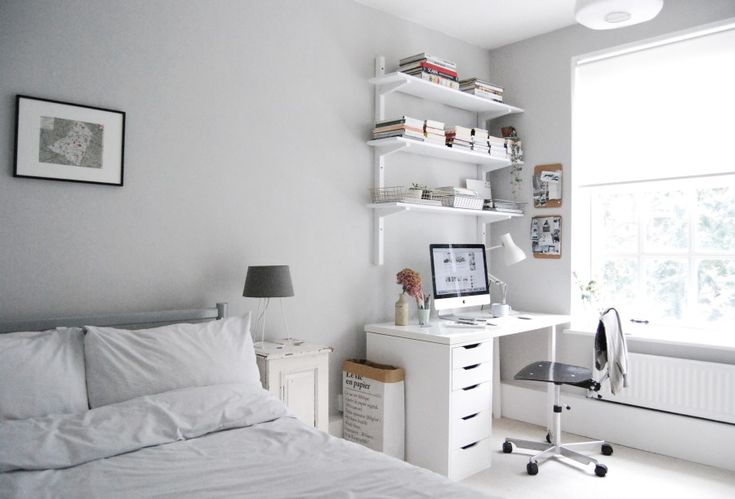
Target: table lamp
<point>512,254</point>
<point>268,281</point>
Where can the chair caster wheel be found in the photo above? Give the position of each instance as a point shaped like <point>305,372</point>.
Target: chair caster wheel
<point>600,470</point>
<point>507,447</point>
<point>607,449</point>
<point>548,437</point>
<point>532,468</point>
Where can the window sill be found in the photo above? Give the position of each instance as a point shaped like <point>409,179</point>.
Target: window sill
<point>674,336</point>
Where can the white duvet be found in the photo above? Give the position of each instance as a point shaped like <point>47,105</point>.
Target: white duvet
<point>216,441</point>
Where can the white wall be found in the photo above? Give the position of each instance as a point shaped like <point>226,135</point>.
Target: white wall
<point>245,145</point>
<point>536,74</point>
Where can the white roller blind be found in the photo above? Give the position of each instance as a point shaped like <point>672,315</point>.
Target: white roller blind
<point>663,112</point>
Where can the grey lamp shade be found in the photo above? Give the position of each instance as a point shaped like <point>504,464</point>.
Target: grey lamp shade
<point>268,281</point>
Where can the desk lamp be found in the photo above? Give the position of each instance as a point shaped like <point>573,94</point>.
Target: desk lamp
<point>512,254</point>
<point>268,281</point>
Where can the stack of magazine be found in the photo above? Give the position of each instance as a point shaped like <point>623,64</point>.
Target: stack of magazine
<point>431,68</point>
<point>481,88</point>
<point>410,128</point>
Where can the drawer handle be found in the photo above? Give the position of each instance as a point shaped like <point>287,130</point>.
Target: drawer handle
<point>469,446</point>
<point>473,366</point>
<point>471,387</point>
<point>469,347</point>
<point>466,418</point>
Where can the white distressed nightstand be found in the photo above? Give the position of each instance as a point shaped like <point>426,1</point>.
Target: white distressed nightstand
<point>298,373</point>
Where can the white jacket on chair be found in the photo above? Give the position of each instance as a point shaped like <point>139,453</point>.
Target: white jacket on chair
<point>612,349</point>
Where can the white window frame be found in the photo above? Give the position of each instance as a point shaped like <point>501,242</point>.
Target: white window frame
<point>581,206</point>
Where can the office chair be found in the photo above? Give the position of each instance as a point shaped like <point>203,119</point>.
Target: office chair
<point>610,353</point>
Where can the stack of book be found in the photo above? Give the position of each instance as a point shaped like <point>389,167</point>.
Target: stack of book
<point>459,137</point>
<point>434,132</point>
<point>479,140</point>
<point>497,147</point>
<point>431,68</point>
<point>481,88</point>
<point>410,128</point>
<point>507,206</point>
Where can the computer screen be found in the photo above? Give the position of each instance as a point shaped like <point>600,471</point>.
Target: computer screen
<point>459,275</point>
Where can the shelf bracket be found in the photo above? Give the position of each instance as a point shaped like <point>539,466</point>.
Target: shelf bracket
<point>385,151</point>
<point>389,88</point>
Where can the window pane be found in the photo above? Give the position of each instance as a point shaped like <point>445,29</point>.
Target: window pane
<point>667,222</point>
<point>617,222</point>
<point>716,290</point>
<point>619,283</point>
<point>715,228</point>
<point>665,285</point>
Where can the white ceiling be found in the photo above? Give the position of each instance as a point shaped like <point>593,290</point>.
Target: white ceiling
<point>485,23</point>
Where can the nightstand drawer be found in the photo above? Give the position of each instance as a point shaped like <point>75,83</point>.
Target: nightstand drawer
<point>475,353</point>
<point>471,400</point>
<point>470,459</point>
<point>471,375</point>
<point>471,428</point>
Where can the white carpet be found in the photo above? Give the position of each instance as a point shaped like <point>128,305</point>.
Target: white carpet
<point>631,473</point>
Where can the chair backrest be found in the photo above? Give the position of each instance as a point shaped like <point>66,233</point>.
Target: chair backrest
<point>611,350</point>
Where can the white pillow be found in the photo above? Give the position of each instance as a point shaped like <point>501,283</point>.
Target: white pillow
<point>42,373</point>
<point>122,364</point>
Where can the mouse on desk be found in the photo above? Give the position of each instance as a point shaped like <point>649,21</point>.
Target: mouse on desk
<point>525,317</point>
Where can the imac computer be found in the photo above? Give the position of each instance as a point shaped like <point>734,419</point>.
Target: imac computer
<point>459,276</point>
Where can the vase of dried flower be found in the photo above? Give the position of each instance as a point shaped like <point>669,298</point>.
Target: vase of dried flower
<point>402,310</point>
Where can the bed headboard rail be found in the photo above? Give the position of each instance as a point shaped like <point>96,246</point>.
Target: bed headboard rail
<point>130,320</point>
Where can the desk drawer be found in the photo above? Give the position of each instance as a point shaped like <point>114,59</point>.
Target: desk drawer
<point>471,375</point>
<point>469,460</point>
<point>471,428</point>
<point>471,400</point>
<point>475,353</point>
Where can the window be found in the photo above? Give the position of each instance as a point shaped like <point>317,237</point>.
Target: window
<point>653,178</point>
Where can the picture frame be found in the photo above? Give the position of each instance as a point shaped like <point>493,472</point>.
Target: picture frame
<point>547,186</point>
<point>57,140</point>
<point>546,237</point>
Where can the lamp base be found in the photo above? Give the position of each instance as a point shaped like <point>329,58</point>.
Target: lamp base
<point>500,309</point>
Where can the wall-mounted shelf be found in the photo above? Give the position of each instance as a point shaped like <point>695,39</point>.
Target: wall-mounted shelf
<point>387,209</point>
<point>407,84</point>
<point>390,145</point>
<point>485,109</point>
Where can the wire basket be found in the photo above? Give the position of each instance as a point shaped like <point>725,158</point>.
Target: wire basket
<point>387,194</point>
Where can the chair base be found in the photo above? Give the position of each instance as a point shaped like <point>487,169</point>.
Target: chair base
<point>560,452</point>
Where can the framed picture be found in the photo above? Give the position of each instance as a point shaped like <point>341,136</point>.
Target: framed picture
<point>547,186</point>
<point>63,141</point>
<point>546,237</point>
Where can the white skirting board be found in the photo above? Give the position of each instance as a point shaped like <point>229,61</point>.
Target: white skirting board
<point>335,425</point>
<point>683,437</point>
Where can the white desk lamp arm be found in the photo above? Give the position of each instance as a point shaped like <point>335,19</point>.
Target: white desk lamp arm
<point>501,284</point>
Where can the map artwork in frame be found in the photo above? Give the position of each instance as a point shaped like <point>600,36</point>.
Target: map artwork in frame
<point>62,141</point>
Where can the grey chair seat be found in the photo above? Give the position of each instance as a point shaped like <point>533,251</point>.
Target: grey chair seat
<point>557,373</point>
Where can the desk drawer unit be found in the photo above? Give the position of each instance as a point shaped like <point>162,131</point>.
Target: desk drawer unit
<point>448,400</point>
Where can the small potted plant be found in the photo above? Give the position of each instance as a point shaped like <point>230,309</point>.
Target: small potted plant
<point>410,280</point>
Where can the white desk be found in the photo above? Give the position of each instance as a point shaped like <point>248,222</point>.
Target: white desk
<point>452,385</point>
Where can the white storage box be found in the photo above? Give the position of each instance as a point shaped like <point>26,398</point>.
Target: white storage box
<point>373,400</point>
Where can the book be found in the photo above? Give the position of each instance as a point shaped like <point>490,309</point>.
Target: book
<point>445,82</point>
<point>417,72</point>
<point>477,82</point>
<point>484,95</point>
<point>432,68</point>
<point>433,59</point>
<point>407,120</point>
<point>397,127</point>
<point>434,124</point>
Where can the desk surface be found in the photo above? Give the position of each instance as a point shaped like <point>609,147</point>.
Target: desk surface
<point>443,331</point>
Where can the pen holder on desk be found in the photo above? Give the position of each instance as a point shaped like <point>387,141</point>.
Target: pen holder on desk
<point>500,309</point>
<point>424,314</point>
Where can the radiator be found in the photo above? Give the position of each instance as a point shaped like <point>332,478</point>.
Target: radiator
<point>689,387</point>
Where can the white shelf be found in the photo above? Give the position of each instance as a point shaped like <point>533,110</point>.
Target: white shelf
<point>395,144</point>
<point>386,209</point>
<point>407,84</point>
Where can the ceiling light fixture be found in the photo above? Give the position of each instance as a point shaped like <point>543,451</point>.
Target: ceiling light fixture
<point>611,14</point>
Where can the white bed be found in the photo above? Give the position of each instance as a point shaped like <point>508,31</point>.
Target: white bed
<point>201,439</point>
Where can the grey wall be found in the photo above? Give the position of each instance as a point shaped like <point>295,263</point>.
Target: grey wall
<point>245,145</point>
<point>536,74</point>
